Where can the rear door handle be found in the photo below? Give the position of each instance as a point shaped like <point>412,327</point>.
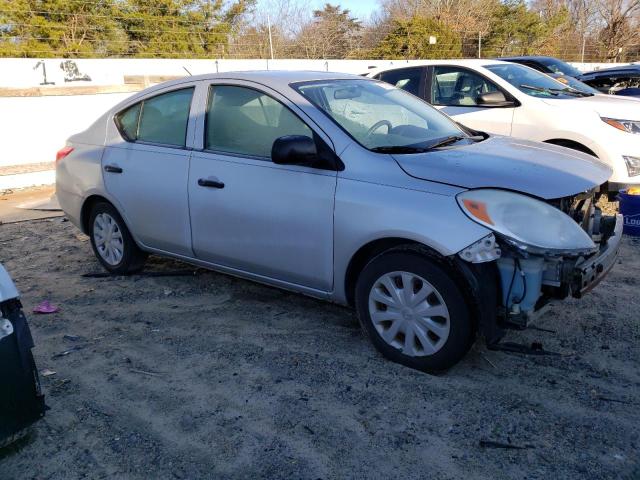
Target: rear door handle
<point>210,182</point>
<point>112,169</point>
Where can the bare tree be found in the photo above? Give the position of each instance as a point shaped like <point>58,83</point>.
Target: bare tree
<point>620,25</point>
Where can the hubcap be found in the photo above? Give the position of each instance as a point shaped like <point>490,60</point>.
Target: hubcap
<point>108,238</point>
<point>409,313</point>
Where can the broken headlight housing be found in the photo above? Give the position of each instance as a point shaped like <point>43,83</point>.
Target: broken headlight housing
<point>525,222</point>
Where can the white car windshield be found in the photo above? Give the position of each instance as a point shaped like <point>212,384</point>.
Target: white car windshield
<point>380,116</point>
<point>533,82</point>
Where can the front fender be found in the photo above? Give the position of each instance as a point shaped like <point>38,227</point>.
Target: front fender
<point>365,212</point>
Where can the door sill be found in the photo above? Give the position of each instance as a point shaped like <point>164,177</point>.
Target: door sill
<point>292,287</point>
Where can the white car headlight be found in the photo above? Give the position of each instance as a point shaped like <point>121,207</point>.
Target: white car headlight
<point>633,165</point>
<point>630,126</point>
<point>525,222</point>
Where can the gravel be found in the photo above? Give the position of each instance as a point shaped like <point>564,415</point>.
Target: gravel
<point>208,376</point>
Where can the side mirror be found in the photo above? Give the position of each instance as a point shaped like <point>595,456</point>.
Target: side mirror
<point>294,150</point>
<point>493,99</point>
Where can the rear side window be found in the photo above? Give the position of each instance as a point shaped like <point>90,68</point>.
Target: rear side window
<point>407,79</point>
<point>246,121</point>
<point>161,119</point>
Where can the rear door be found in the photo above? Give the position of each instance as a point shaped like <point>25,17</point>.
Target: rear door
<point>248,213</point>
<point>454,90</point>
<point>147,171</point>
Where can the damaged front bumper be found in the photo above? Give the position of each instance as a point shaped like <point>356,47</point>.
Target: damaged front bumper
<point>532,283</point>
<point>591,271</point>
<point>529,281</point>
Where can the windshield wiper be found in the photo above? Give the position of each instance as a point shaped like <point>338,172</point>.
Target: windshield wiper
<point>415,149</point>
<point>446,141</point>
<point>558,91</point>
<point>574,91</point>
<point>540,89</point>
<point>398,149</point>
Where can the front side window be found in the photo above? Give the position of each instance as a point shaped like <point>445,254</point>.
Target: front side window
<point>454,86</point>
<point>245,121</point>
<point>378,115</point>
<point>408,79</point>
<point>531,82</point>
<point>161,119</point>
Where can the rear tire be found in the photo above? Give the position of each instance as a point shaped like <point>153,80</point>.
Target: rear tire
<point>413,311</point>
<point>112,242</point>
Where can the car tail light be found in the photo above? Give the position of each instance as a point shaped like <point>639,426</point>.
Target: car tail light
<point>63,152</point>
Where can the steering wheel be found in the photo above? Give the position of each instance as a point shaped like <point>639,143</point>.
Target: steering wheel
<point>379,124</point>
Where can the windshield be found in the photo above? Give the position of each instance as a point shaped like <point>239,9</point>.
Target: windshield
<point>558,66</point>
<point>532,82</point>
<point>378,115</point>
<point>575,84</point>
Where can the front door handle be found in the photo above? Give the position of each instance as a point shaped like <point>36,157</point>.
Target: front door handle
<point>112,169</point>
<point>211,183</point>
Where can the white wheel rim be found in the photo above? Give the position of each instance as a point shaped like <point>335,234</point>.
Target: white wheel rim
<point>107,237</point>
<point>409,314</point>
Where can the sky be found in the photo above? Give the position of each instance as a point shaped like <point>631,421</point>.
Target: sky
<point>361,9</point>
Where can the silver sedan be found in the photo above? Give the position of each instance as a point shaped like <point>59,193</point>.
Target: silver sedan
<point>346,189</point>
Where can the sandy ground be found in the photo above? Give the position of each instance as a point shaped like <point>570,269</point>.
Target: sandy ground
<point>209,376</point>
<point>12,203</point>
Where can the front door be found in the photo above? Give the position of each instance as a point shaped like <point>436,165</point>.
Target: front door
<point>455,90</point>
<point>248,213</point>
<point>147,173</point>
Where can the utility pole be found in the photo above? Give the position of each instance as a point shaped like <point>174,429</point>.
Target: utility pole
<point>479,44</point>
<point>270,40</point>
<point>584,41</point>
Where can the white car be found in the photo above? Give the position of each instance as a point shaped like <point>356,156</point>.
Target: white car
<point>511,99</point>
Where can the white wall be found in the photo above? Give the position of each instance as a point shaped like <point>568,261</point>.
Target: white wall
<point>20,72</point>
<point>33,129</point>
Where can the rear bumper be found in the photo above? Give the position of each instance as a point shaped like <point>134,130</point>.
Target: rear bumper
<point>591,272</point>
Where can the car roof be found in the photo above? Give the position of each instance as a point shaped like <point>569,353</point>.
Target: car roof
<point>622,69</point>
<point>527,57</point>
<point>275,79</point>
<point>469,62</point>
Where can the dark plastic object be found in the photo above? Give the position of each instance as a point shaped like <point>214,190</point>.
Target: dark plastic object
<point>294,150</point>
<point>21,398</point>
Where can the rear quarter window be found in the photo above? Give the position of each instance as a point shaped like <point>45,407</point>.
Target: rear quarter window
<point>127,122</point>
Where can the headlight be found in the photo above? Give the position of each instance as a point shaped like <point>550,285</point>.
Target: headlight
<point>631,126</point>
<point>525,222</point>
<point>633,165</point>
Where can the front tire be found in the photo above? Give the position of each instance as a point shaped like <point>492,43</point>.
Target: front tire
<point>413,311</point>
<point>112,242</point>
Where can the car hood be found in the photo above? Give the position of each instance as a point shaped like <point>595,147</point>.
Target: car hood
<point>604,105</point>
<point>544,170</point>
